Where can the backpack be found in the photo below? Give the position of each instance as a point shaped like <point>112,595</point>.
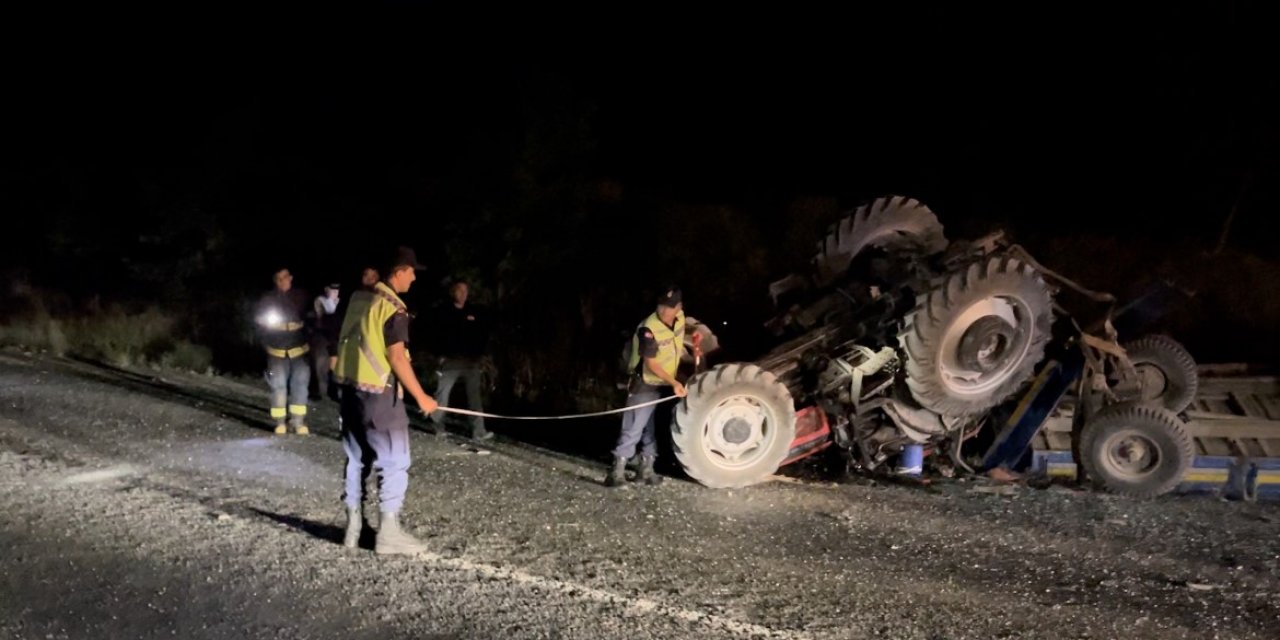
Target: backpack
<point>624,358</point>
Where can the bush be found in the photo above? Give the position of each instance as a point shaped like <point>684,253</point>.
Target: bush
<point>114,335</point>
<point>188,356</point>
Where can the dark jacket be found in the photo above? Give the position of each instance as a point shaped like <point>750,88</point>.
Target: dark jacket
<point>289,310</point>
<point>459,334</point>
<point>325,327</point>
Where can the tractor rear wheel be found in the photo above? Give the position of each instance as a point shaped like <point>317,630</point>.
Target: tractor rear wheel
<point>972,341</point>
<point>894,223</point>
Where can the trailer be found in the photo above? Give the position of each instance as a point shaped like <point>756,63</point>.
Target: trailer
<point>1235,424</point>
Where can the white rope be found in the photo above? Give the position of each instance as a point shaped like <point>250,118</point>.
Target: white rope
<point>468,412</point>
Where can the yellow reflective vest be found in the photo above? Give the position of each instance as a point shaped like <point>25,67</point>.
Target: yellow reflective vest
<point>670,347</point>
<point>362,348</point>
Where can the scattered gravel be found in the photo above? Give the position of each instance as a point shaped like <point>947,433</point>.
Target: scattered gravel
<point>145,505</point>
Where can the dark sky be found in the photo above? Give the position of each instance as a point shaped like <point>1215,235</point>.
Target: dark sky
<point>1064,120</point>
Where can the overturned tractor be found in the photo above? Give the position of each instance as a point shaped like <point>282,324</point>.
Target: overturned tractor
<point>894,336</point>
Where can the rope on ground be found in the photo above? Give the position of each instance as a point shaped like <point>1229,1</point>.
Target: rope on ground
<point>594,414</point>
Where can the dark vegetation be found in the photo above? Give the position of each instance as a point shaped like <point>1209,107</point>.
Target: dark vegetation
<point>568,188</point>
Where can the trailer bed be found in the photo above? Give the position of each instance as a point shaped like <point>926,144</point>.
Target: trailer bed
<point>1235,420</point>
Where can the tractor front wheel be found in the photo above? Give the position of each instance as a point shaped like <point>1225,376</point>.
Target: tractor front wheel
<point>735,426</point>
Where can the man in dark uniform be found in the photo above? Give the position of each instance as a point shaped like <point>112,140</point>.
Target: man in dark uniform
<point>375,373</point>
<point>461,336</point>
<point>279,317</point>
<point>656,350</point>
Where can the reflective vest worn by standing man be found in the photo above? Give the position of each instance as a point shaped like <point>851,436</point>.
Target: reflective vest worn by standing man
<point>279,319</point>
<point>656,349</point>
<point>374,371</point>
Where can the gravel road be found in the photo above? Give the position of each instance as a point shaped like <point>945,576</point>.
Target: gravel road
<point>141,504</point>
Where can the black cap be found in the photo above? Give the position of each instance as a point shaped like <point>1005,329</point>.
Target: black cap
<point>669,296</point>
<point>405,257</point>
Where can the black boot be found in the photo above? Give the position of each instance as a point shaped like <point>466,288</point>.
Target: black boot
<point>617,473</point>
<point>647,474</point>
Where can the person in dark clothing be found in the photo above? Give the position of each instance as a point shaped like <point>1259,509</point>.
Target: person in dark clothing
<point>369,278</point>
<point>325,324</point>
<point>461,337</point>
<point>279,317</point>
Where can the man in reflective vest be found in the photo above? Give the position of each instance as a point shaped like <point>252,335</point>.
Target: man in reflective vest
<point>656,349</point>
<point>374,371</point>
<point>279,319</point>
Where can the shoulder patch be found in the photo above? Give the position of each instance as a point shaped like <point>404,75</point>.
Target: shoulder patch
<point>648,333</point>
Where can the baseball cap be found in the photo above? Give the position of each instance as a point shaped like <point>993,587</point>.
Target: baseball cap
<point>670,296</point>
<point>405,257</point>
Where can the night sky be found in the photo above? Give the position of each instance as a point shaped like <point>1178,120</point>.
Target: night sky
<point>298,125</point>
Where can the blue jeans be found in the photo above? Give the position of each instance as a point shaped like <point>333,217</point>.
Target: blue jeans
<point>289,379</point>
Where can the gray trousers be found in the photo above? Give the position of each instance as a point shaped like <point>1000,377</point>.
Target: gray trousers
<point>638,426</point>
<point>375,436</point>
<point>289,379</point>
<point>471,375</point>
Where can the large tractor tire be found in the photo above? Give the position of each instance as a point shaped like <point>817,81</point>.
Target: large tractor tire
<point>1136,450</point>
<point>1166,372</point>
<point>735,426</point>
<point>892,223</point>
<point>975,339</point>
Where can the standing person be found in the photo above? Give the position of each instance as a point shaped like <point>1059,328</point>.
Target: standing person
<point>373,367</point>
<point>279,318</point>
<point>369,278</point>
<point>324,335</point>
<point>461,335</point>
<point>656,349</point>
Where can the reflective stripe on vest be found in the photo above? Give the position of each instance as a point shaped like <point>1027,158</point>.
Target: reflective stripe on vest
<point>363,361</point>
<point>670,347</point>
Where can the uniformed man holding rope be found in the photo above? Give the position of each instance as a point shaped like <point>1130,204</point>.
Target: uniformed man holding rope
<point>374,371</point>
<point>656,349</point>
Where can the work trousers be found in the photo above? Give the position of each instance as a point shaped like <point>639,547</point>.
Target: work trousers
<point>375,436</point>
<point>472,376</point>
<point>288,379</point>
<point>638,425</point>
